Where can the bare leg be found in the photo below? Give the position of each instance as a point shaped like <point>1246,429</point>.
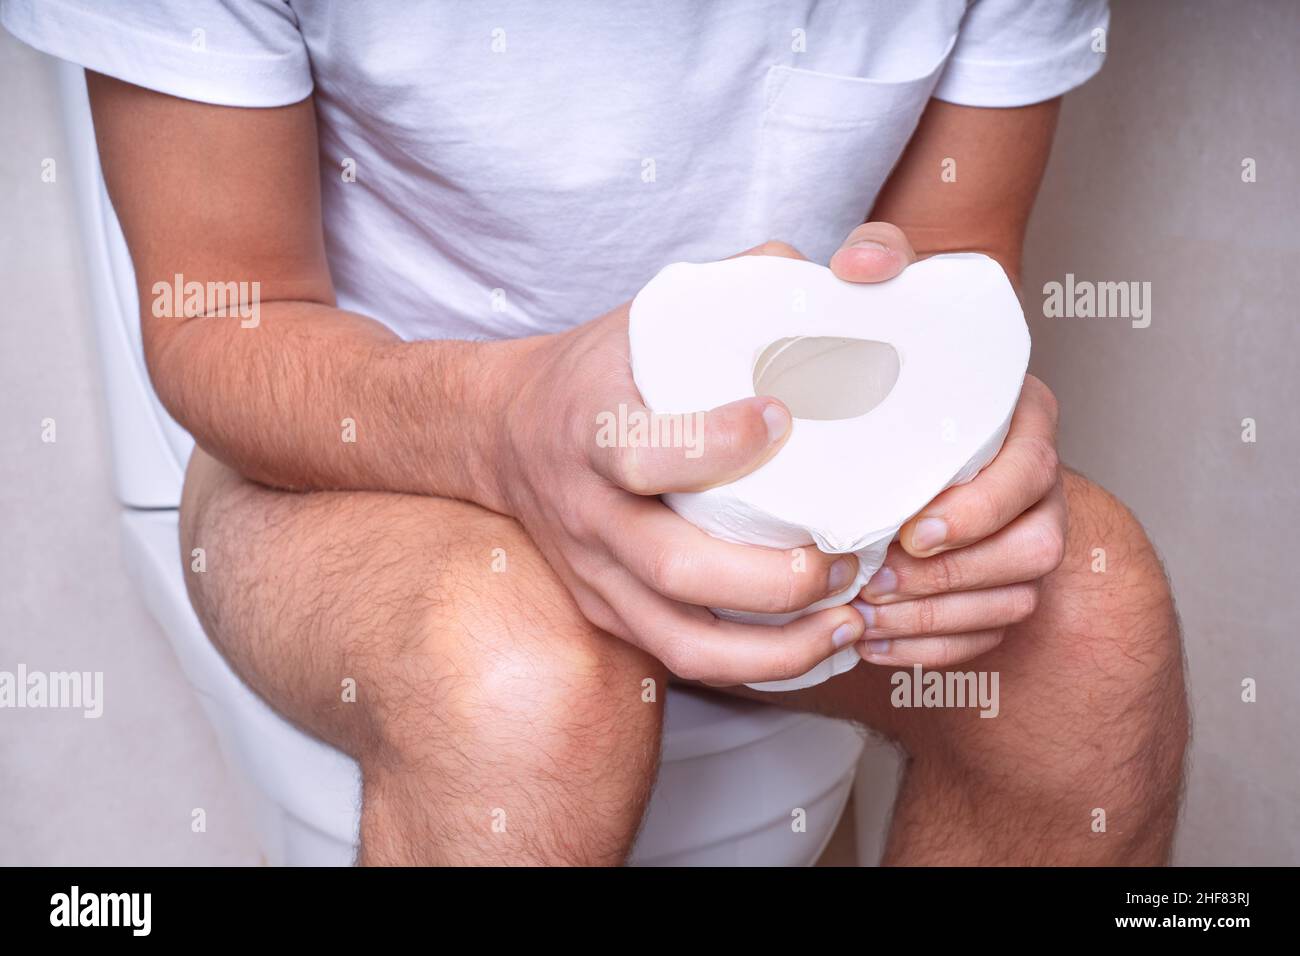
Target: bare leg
<point>1093,717</point>
<point>492,723</point>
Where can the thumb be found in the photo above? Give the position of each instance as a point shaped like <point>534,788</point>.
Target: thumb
<point>873,252</point>
<point>651,454</point>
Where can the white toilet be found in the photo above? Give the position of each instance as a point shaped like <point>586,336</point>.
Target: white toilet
<point>734,776</point>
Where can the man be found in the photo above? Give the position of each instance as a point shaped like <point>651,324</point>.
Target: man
<point>442,208</point>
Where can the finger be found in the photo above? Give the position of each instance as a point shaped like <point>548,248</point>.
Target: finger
<point>773,247</point>
<point>684,563</point>
<point>725,653</point>
<point>650,454</point>
<point>1022,473</point>
<point>1029,548</point>
<point>940,651</point>
<point>954,613</point>
<point>696,645</point>
<point>873,252</point>
<point>694,451</point>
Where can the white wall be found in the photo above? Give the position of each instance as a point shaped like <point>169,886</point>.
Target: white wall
<point>119,789</point>
<point>1144,185</point>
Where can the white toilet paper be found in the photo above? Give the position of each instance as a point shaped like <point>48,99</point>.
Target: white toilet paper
<point>899,390</point>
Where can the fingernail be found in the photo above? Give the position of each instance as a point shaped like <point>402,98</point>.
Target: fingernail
<point>883,582</point>
<point>845,634</point>
<point>870,244</point>
<point>929,533</point>
<point>878,648</point>
<point>841,575</point>
<point>867,611</point>
<point>777,421</point>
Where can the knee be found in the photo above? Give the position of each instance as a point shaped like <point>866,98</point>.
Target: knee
<point>502,669</point>
<point>1108,617</point>
<point>1110,598</point>
<point>1092,705</point>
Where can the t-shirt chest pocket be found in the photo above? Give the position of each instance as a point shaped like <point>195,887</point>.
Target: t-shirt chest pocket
<point>826,143</point>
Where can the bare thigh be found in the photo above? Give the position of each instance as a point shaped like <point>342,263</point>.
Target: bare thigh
<point>430,640</point>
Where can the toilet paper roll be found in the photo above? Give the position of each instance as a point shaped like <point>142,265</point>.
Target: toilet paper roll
<point>899,389</point>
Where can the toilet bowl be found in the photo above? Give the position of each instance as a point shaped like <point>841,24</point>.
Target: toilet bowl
<point>741,783</point>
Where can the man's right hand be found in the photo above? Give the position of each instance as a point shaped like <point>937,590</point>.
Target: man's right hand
<point>635,568</point>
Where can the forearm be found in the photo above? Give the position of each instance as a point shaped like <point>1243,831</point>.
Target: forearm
<point>314,397</point>
<point>309,396</point>
<point>968,178</point>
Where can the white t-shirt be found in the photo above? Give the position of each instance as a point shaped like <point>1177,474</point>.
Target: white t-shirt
<point>522,167</point>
